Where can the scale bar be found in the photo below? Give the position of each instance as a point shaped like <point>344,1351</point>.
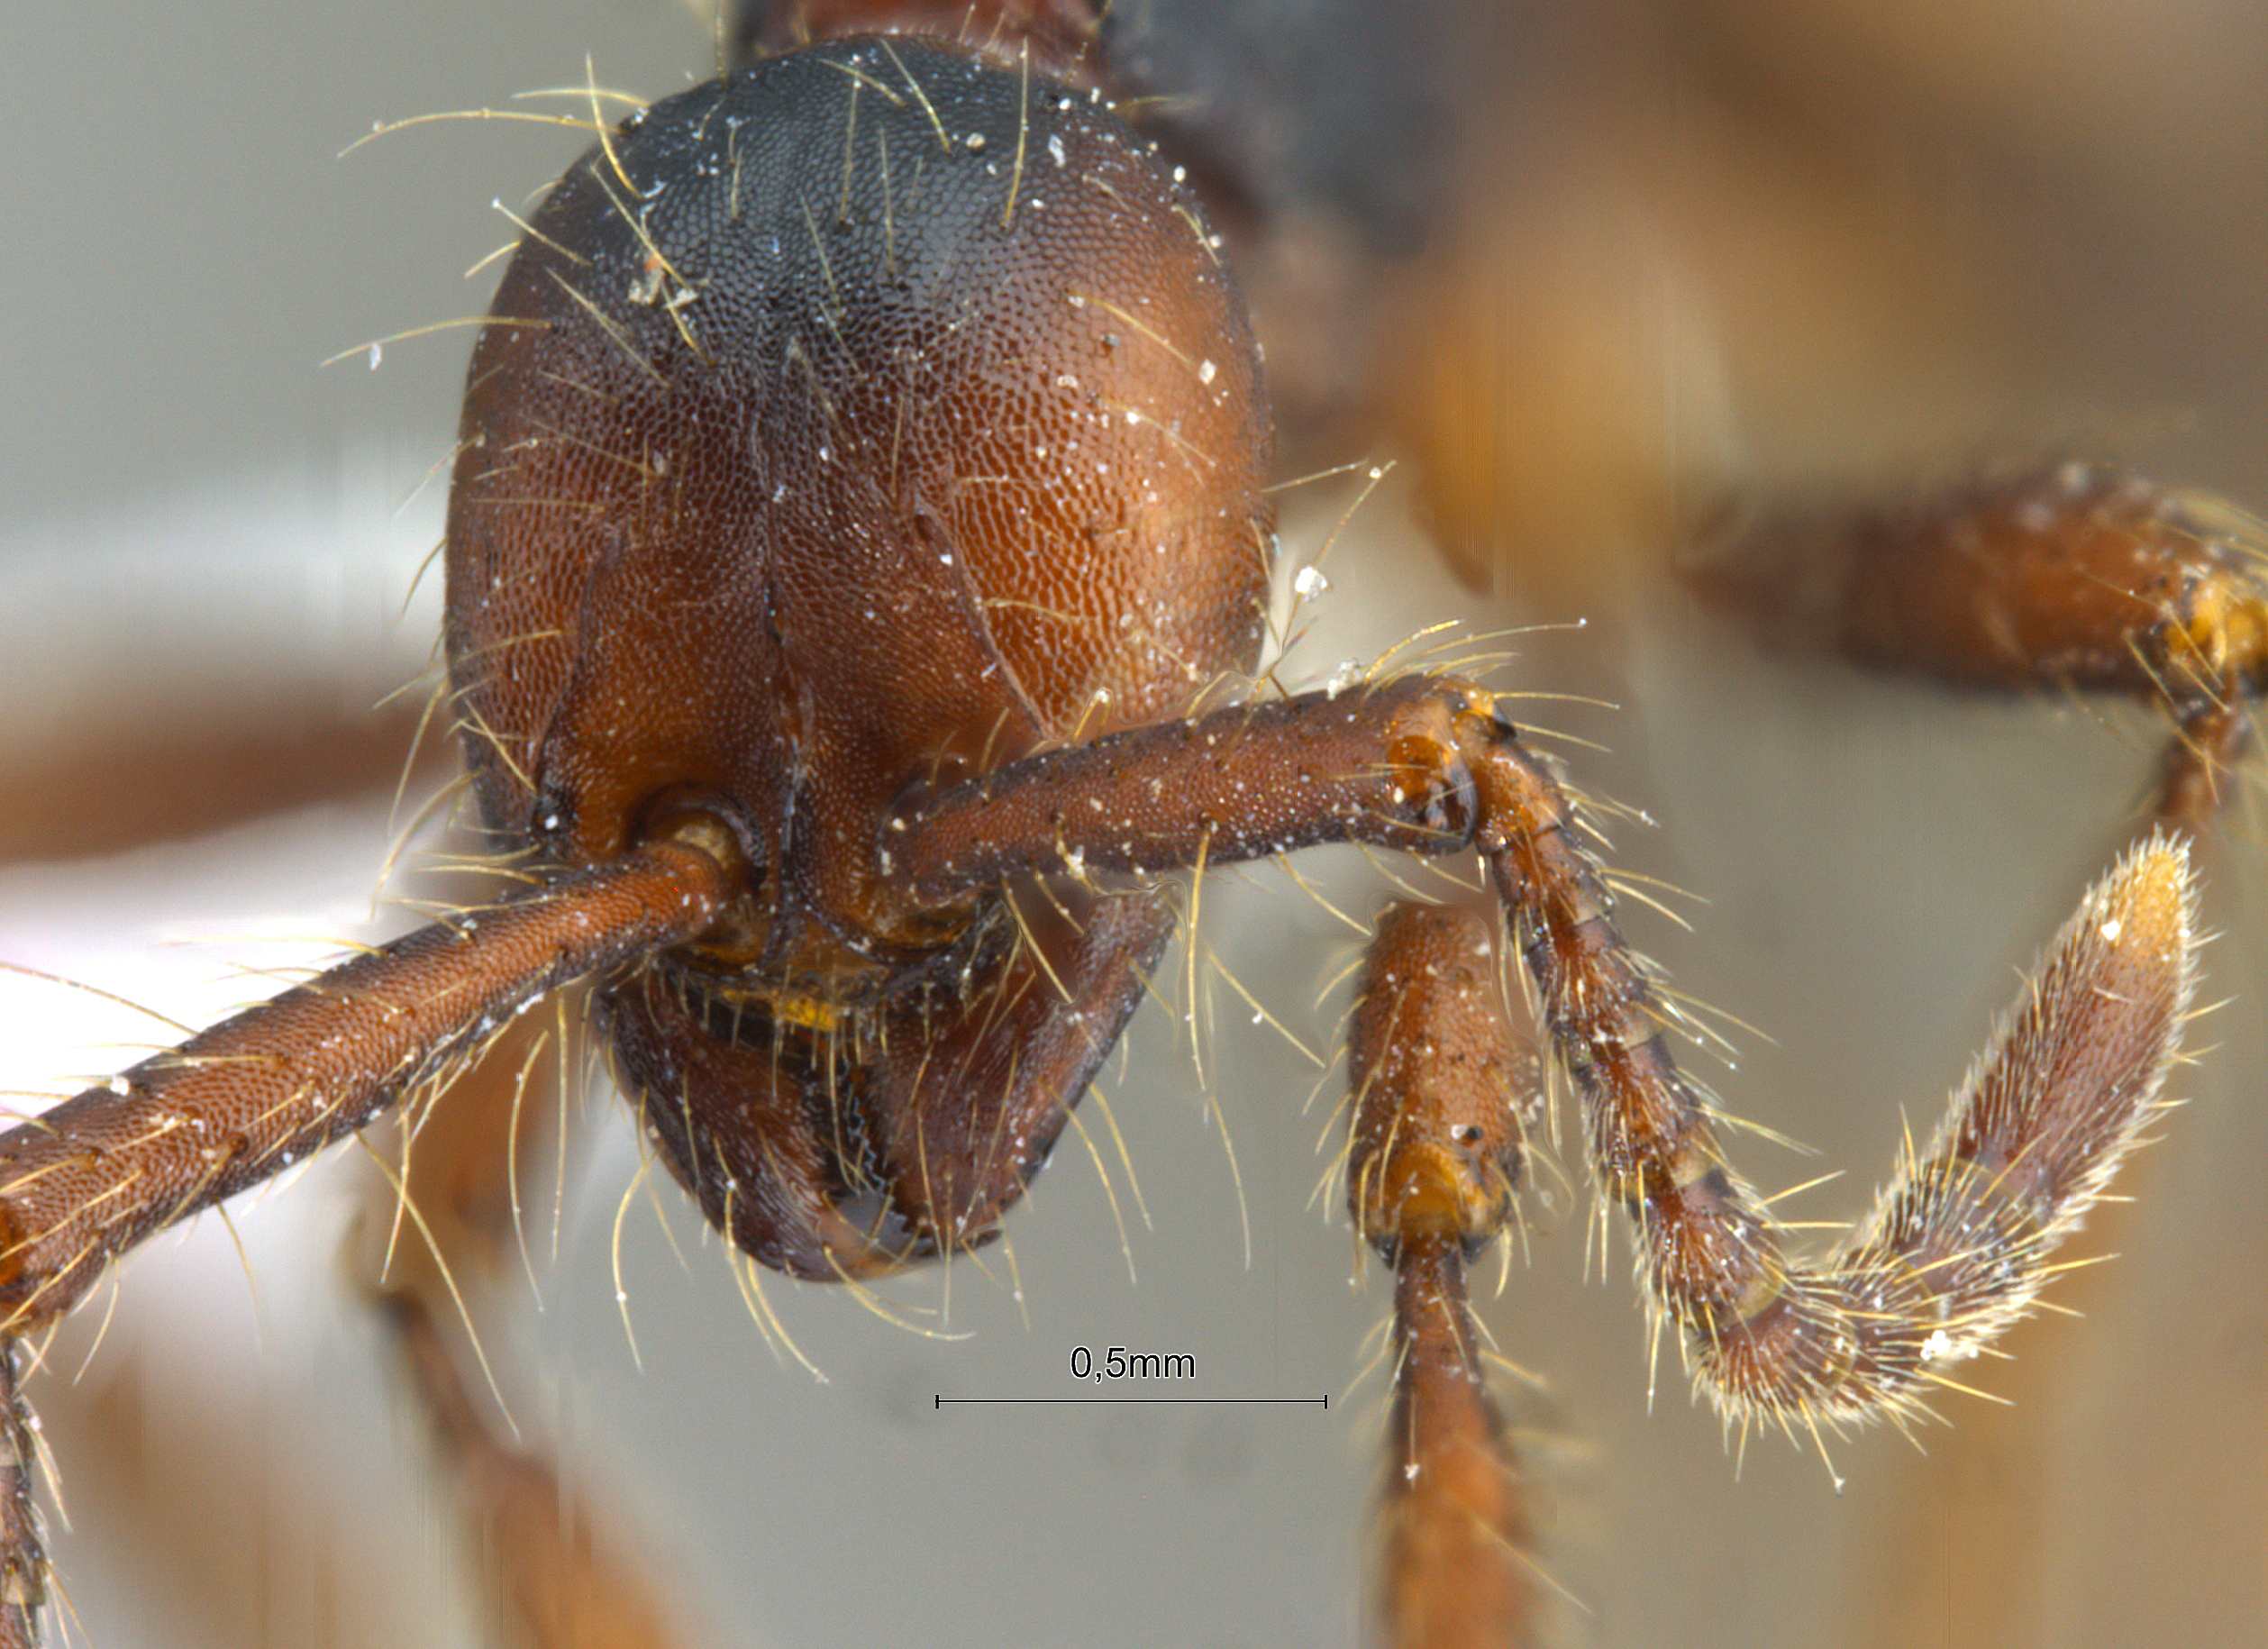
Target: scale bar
<point>1303,1402</point>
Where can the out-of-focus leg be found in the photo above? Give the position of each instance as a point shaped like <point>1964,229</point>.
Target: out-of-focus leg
<point>2079,576</point>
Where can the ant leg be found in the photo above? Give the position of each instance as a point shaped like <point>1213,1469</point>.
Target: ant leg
<point>2079,576</point>
<point>1955,1252</point>
<point>547,1556</point>
<point>2210,738</point>
<point>107,784</point>
<point>1442,1101</point>
<point>2072,576</point>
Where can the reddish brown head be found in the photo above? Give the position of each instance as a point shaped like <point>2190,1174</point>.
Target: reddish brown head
<point>857,421</point>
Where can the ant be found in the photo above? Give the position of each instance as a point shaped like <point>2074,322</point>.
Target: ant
<point>683,823</point>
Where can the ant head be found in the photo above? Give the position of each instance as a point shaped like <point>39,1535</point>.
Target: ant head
<point>845,426</point>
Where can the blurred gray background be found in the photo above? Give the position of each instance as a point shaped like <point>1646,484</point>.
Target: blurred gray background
<point>1713,250</point>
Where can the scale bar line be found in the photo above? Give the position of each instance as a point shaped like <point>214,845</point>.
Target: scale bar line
<point>1303,1402</point>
